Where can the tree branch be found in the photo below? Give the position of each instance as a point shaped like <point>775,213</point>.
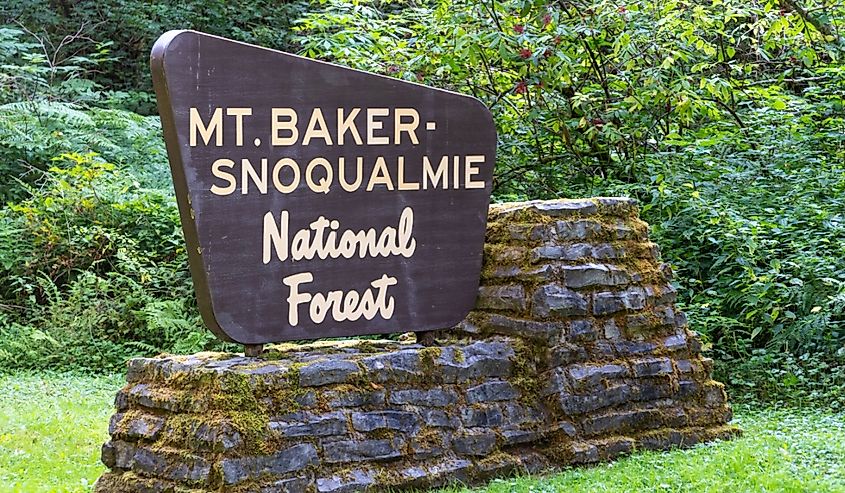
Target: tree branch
<point>825,29</point>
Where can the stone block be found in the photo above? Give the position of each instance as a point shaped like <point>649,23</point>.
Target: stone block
<point>554,382</point>
<point>614,447</point>
<point>602,350</point>
<point>431,397</point>
<point>354,398</point>
<point>362,450</point>
<point>588,376</point>
<point>438,418</point>
<point>328,372</point>
<point>164,464</point>
<point>584,453</point>
<point>295,458</point>
<point>400,421</point>
<point>606,251</point>
<point>542,331</point>
<point>136,426</point>
<point>352,481</point>
<point>714,394</point>
<point>589,275</point>
<point>517,436</point>
<point>539,273</point>
<point>481,359</point>
<point>554,300</point>
<point>308,424</point>
<point>618,422</point>
<point>496,390</point>
<point>578,230</point>
<point>632,348</point>
<point>650,367</point>
<point>667,439</point>
<point>581,331</point>
<point>448,471</point>
<point>661,295</point>
<point>518,413</point>
<point>675,417</point>
<point>530,232</point>
<point>148,396</point>
<point>611,330</point>
<point>399,366</point>
<point>612,302</point>
<point>566,208</point>
<point>566,354</point>
<point>573,404</point>
<point>505,254</point>
<point>507,298</point>
<point>289,485</point>
<point>687,388</point>
<point>652,389</point>
<point>489,416</point>
<point>477,444</point>
<point>561,252</point>
<point>676,342</point>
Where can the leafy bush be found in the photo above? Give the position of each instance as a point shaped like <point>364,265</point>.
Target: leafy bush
<point>753,222</point>
<point>34,132</point>
<point>582,91</point>
<point>785,378</point>
<point>48,107</point>
<point>94,271</point>
<point>130,28</point>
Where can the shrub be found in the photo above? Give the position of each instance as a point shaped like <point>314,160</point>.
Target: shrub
<point>129,29</point>
<point>582,91</point>
<point>94,271</point>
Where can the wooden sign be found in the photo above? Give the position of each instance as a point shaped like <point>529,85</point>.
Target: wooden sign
<point>320,201</point>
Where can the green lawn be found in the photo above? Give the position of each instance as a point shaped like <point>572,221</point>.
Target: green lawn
<point>52,426</point>
<point>51,430</point>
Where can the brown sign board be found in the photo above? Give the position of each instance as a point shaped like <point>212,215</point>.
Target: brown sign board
<point>317,200</point>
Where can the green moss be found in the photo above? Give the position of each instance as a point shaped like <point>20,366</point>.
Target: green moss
<point>253,429</point>
<point>380,434</point>
<point>235,393</point>
<point>615,210</point>
<point>527,359</point>
<point>498,457</point>
<point>428,356</point>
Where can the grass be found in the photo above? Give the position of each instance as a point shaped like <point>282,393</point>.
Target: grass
<point>782,450</point>
<point>52,426</point>
<point>51,430</point>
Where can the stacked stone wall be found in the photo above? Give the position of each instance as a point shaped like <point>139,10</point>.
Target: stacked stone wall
<point>574,354</point>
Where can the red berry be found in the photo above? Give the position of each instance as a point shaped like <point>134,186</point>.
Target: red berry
<point>547,19</point>
<point>622,9</point>
<point>520,87</point>
<point>519,29</point>
<point>525,53</point>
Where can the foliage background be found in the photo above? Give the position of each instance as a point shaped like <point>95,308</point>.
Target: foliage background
<point>725,118</point>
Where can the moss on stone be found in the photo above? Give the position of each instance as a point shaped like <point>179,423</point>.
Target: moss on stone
<point>527,358</point>
<point>428,356</point>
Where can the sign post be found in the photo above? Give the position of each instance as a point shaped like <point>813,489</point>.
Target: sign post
<point>320,201</point>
